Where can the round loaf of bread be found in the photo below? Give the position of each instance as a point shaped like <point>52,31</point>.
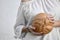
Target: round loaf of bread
<point>42,24</point>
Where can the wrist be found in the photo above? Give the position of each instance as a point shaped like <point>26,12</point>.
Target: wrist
<point>56,24</point>
<point>24,29</point>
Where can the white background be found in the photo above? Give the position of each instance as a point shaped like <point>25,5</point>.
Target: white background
<point>8,12</point>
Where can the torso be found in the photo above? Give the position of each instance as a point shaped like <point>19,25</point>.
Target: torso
<point>42,6</point>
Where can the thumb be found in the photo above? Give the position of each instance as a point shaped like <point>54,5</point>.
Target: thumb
<point>32,27</point>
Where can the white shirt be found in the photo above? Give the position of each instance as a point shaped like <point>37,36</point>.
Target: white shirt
<point>32,8</point>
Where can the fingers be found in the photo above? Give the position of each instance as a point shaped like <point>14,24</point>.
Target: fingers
<point>51,18</point>
<point>32,27</point>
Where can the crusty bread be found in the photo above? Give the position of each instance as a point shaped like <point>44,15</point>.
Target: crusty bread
<point>42,24</point>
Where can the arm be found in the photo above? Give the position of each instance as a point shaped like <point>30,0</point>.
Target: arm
<point>57,23</point>
<point>20,22</point>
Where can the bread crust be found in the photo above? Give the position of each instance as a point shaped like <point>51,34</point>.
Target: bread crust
<point>42,24</point>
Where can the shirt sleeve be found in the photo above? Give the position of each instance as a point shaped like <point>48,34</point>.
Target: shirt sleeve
<point>21,19</point>
<point>24,10</point>
<point>20,22</point>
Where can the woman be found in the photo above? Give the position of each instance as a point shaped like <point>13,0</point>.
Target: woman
<point>29,8</point>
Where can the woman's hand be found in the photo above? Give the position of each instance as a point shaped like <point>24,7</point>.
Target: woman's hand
<point>27,29</point>
<point>24,29</point>
<point>57,23</point>
<point>51,18</point>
